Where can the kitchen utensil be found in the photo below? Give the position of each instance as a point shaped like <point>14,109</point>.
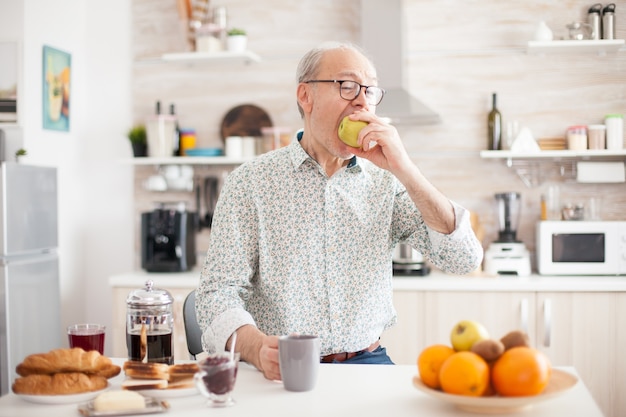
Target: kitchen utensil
<point>161,130</point>
<point>299,361</point>
<point>597,136</point>
<point>216,378</point>
<point>168,241</point>
<point>579,30</point>
<point>594,19</point>
<point>244,120</point>
<point>210,193</point>
<point>408,261</point>
<point>507,255</point>
<point>150,325</point>
<point>577,138</point>
<point>233,343</point>
<point>205,152</point>
<point>614,131</point>
<point>87,336</point>
<point>234,147</point>
<point>509,209</point>
<point>608,21</point>
<point>543,32</point>
<point>275,137</point>
<point>560,382</point>
<point>573,211</point>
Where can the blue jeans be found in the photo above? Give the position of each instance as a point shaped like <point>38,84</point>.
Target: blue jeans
<point>378,357</point>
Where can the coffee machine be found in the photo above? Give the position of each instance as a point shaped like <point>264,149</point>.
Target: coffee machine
<point>168,238</point>
<point>507,255</point>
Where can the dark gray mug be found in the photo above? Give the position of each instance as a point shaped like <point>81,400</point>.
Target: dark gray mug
<point>299,360</point>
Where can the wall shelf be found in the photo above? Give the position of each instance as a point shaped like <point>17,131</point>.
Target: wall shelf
<point>534,167</point>
<point>186,160</point>
<point>245,57</point>
<point>599,154</point>
<point>601,47</point>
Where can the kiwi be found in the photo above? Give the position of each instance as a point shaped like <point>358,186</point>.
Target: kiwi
<point>515,338</point>
<point>488,349</point>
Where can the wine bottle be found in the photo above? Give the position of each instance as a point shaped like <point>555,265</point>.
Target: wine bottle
<point>494,127</point>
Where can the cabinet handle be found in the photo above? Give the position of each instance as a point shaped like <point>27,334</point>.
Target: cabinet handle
<point>523,310</point>
<point>547,321</point>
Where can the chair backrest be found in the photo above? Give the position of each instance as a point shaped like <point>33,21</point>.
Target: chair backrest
<point>192,328</point>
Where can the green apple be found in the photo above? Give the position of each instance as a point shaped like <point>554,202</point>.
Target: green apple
<point>349,131</point>
<point>467,332</point>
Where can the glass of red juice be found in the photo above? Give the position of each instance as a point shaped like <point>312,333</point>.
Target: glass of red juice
<point>87,336</point>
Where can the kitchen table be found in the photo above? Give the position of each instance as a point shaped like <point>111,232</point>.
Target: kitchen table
<point>341,390</point>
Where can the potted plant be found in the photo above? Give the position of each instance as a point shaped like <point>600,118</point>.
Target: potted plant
<point>237,40</point>
<point>19,153</point>
<point>139,140</point>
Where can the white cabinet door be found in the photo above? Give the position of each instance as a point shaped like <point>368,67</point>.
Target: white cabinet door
<point>581,330</point>
<point>426,318</point>
<point>404,341</point>
<point>499,312</point>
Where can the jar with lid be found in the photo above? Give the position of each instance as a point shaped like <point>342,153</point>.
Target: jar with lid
<point>577,138</point>
<point>614,131</point>
<point>597,136</point>
<point>150,325</point>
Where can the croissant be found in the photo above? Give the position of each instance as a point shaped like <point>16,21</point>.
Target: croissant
<point>64,360</point>
<point>59,384</point>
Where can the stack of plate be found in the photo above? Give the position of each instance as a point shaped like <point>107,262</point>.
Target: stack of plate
<point>552,144</point>
<point>204,152</point>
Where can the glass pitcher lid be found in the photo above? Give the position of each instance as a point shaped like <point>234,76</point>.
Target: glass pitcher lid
<point>149,296</point>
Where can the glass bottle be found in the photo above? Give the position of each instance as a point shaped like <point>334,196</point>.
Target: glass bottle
<point>494,127</point>
<point>176,138</point>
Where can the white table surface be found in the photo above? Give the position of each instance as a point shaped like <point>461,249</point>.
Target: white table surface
<point>341,390</point>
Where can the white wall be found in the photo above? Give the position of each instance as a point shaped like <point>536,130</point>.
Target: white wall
<point>95,190</point>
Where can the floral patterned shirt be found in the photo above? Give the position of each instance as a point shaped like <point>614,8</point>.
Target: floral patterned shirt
<point>294,251</point>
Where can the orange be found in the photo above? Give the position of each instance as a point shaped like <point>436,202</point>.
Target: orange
<point>521,371</point>
<point>464,373</point>
<point>429,362</point>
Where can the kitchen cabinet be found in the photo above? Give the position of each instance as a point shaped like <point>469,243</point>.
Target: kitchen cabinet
<point>579,329</point>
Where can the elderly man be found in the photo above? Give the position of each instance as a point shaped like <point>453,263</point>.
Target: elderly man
<point>303,236</point>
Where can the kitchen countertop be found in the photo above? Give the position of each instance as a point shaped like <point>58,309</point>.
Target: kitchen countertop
<point>435,281</point>
<point>341,390</point>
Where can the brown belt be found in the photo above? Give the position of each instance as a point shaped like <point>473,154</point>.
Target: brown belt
<point>344,356</point>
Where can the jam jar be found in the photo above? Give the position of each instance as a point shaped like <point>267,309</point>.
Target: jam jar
<point>150,325</point>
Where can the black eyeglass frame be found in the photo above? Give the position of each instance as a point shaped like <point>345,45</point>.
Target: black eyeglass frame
<point>361,86</point>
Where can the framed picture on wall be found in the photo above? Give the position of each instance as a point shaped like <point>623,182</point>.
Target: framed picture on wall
<point>56,89</point>
<point>8,82</point>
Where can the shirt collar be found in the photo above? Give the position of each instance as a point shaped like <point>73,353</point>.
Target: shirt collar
<point>299,155</point>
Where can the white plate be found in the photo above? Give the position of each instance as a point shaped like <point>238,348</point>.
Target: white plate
<point>162,394</point>
<point>559,383</point>
<point>61,399</point>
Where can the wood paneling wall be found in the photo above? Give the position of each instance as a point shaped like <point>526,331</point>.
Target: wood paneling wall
<point>458,53</point>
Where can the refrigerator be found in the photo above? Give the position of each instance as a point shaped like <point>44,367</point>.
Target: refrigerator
<point>30,305</point>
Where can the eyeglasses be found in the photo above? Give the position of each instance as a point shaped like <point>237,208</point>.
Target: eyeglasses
<point>350,90</point>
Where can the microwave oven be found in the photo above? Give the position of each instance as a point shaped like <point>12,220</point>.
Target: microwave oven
<point>581,247</point>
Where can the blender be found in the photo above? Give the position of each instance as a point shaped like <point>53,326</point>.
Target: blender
<point>507,255</point>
